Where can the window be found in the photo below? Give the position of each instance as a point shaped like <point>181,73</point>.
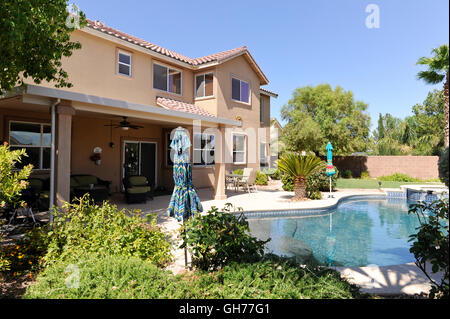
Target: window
<point>35,139</point>
<point>204,85</point>
<point>263,154</point>
<point>124,61</point>
<point>166,79</point>
<point>239,149</point>
<point>204,145</point>
<point>240,90</point>
<point>261,109</point>
<point>169,150</point>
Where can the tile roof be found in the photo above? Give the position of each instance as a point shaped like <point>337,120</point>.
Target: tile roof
<point>273,94</point>
<point>181,106</point>
<point>97,25</point>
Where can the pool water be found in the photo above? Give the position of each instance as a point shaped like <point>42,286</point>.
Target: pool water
<point>356,233</point>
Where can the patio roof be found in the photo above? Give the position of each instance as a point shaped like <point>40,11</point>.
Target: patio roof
<point>40,95</point>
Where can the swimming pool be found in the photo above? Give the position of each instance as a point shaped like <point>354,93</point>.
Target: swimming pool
<point>358,232</point>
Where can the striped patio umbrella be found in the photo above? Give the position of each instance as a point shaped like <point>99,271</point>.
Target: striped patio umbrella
<point>330,170</point>
<point>184,202</point>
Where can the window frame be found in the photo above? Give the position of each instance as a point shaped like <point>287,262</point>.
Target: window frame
<point>167,73</point>
<point>203,149</point>
<point>261,109</point>
<point>243,151</point>
<point>195,85</point>
<point>240,91</point>
<point>119,52</point>
<point>41,147</point>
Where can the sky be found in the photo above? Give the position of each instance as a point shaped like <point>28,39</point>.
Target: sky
<point>300,43</point>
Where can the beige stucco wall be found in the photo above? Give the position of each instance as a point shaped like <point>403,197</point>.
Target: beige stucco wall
<point>93,70</point>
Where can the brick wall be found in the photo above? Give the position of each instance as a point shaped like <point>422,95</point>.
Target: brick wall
<point>423,167</point>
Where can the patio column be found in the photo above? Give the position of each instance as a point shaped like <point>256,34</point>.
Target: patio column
<point>64,113</point>
<point>219,178</point>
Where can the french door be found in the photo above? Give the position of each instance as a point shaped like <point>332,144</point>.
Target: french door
<point>140,158</point>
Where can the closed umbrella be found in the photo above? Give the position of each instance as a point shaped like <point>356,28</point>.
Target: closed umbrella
<point>184,202</point>
<point>330,170</point>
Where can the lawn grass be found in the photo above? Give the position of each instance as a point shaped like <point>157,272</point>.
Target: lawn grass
<point>373,183</point>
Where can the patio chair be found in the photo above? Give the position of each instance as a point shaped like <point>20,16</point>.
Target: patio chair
<point>137,189</point>
<point>248,180</point>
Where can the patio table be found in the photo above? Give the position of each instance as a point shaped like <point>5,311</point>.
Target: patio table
<point>235,179</point>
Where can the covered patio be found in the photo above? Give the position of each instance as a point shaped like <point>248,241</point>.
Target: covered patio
<point>69,128</point>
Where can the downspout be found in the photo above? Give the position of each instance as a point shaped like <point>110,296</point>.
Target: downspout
<point>52,159</point>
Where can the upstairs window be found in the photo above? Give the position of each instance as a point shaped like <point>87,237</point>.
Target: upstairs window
<point>240,90</point>
<point>166,79</point>
<point>124,64</point>
<point>204,85</point>
<point>35,138</point>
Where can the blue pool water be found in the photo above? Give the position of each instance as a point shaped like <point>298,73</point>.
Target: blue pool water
<point>357,233</point>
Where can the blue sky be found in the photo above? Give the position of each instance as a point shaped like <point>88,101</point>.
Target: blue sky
<point>299,43</point>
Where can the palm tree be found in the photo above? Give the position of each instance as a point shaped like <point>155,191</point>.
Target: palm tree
<point>299,167</point>
<point>436,73</point>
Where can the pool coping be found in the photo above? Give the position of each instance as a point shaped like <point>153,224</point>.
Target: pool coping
<point>308,211</point>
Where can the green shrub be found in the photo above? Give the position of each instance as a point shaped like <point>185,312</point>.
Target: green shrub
<point>83,227</point>
<point>365,175</point>
<point>218,238</point>
<point>119,277</point>
<point>443,167</point>
<point>398,177</point>
<point>261,179</point>
<point>239,171</point>
<point>431,244</point>
<point>12,179</point>
<point>347,174</point>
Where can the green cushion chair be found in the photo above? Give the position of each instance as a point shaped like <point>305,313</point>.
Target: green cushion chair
<point>137,189</point>
<point>79,185</point>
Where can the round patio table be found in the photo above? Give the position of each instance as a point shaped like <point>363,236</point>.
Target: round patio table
<point>235,179</point>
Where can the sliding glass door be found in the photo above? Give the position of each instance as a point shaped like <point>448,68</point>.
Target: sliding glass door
<point>140,158</point>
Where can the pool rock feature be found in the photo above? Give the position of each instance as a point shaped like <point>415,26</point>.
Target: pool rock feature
<point>292,247</point>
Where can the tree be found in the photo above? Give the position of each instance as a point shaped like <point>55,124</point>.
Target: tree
<point>34,36</point>
<point>438,68</point>
<point>299,167</point>
<point>317,115</point>
<point>429,124</point>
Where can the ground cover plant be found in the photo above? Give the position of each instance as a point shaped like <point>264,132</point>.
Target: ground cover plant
<point>132,278</point>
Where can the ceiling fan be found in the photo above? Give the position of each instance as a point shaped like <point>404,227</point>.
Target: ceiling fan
<point>125,125</point>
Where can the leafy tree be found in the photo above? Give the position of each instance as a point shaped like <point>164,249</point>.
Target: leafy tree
<point>34,36</point>
<point>317,115</point>
<point>419,134</point>
<point>444,167</point>
<point>429,124</point>
<point>300,168</point>
<point>438,68</point>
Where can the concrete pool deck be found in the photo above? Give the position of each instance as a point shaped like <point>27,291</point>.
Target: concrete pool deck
<point>385,280</point>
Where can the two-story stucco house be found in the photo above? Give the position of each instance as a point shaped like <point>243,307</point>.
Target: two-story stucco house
<point>116,75</point>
